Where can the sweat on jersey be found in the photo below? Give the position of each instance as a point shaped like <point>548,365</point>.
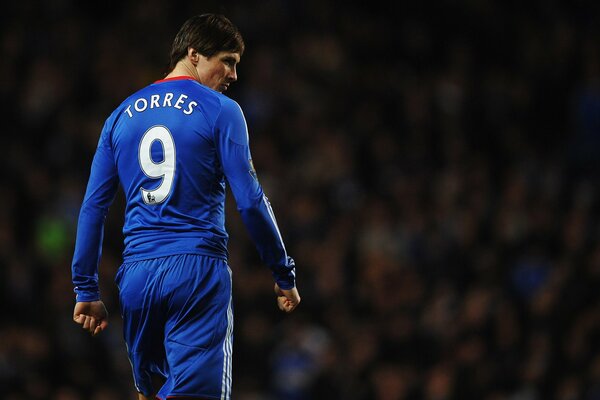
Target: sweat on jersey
<point>172,146</point>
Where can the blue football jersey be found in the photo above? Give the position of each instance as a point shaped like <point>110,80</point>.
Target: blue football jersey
<point>172,147</point>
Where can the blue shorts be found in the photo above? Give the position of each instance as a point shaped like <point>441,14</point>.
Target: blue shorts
<point>178,324</point>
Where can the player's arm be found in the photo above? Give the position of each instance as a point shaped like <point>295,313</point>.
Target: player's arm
<point>253,205</point>
<point>101,189</point>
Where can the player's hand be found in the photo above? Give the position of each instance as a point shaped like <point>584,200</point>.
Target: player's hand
<point>287,300</point>
<point>91,315</point>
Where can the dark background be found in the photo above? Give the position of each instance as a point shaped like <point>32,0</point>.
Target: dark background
<point>434,171</point>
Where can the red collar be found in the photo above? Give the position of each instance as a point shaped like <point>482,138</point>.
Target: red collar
<point>175,78</point>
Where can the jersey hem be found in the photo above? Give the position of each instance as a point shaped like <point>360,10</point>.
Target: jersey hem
<point>143,257</point>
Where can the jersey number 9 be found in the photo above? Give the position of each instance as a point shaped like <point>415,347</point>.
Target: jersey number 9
<point>164,169</point>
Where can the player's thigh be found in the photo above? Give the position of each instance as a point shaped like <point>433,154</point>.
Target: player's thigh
<point>141,309</point>
<point>199,318</point>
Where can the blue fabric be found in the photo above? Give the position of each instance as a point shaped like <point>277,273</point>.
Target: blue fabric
<point>204,134</point>
<point>178,323</point>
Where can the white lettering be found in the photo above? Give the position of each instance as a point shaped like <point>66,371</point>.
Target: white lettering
<point>138,109</point>
<point>168,98</point>
<point>141,104</point>
<point>180,101</point>
<point>190,108</point>
<point>154,100</point>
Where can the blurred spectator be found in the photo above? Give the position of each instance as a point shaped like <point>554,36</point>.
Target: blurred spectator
<point>436,171</point>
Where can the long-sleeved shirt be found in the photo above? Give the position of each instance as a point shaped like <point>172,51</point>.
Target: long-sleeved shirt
<point>172,146</point>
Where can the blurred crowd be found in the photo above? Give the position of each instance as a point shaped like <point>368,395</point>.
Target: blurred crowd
<point>434,170</point>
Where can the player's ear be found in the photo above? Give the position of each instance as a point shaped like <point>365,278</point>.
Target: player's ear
<point>193,55</point>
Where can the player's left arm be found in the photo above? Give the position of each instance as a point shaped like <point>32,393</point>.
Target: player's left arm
<point>101,189</point>
<point>253,205</point>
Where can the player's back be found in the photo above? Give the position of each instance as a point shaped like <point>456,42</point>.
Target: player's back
<point>163,141</point>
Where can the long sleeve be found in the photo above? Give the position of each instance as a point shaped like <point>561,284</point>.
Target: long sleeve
<point>253,205</point>
<point>100,193</point>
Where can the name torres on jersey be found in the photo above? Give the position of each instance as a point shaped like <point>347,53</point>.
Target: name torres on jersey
<point>159,101</point>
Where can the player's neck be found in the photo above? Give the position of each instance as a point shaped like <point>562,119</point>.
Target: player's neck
<point>183,69</point>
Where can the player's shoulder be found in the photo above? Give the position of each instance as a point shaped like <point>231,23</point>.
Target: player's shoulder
<point>229,107</point>
<point>210,94</point>
<point>220,108</point>
<point>231,120</point>
<point>129,99</point>
<point>117,115</point>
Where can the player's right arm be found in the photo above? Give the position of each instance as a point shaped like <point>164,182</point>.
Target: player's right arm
<point>101,189</point>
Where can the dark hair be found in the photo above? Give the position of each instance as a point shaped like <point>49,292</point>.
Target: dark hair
<point>208,34</point>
